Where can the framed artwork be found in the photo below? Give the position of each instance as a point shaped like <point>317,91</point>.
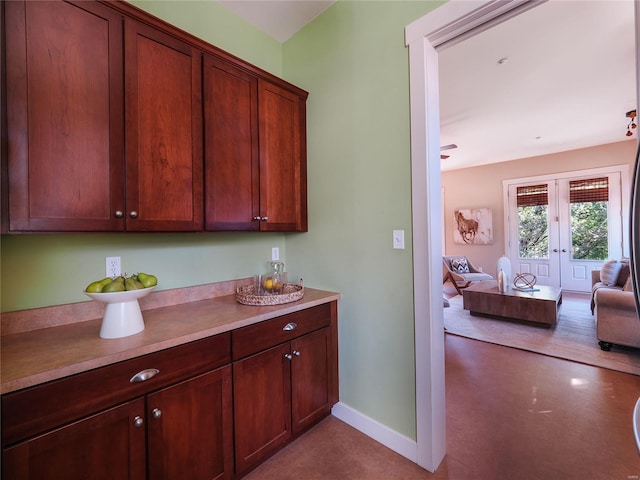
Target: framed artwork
<point>473,226</point>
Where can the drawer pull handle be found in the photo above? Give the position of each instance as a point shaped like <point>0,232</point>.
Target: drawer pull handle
<point>156,412</point>
<point>288,356</point>
<point>289,326</point>
<point>138,421</point>
<point>144,375</point>
<point>296,353</point>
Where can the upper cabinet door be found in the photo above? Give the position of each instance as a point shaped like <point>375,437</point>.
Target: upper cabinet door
<point>283,159</point>
<point>232,184</point>
<point>163,131</point>
<point>64,116</point>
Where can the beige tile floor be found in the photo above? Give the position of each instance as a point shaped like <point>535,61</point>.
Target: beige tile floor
<point>511,414</point>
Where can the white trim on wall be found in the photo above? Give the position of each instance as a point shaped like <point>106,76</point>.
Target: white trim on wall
<point>397,442</point>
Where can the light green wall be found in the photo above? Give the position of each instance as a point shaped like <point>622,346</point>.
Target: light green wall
<point>353,61</point>
<point>42,270</point>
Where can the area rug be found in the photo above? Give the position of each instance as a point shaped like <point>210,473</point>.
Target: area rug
<point>573,338</point>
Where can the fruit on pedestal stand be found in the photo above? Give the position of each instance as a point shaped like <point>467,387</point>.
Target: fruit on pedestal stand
<point>132,283</point>
<point>117,285</point>
<point>122,284</point>
<point>147,280</point>
<point>96,287</point>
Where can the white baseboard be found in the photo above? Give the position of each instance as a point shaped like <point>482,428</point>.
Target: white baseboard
<point>397,442</point>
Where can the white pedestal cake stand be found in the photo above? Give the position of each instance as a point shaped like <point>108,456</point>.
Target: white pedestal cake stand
<point>122,315</point>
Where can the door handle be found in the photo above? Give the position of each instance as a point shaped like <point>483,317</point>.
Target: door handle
<point>555,250</point>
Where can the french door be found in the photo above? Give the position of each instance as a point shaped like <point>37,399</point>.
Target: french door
<point>561,229</point>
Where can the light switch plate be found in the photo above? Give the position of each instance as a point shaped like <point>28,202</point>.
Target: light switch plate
<point>275,254</point>
<point>398,239</point>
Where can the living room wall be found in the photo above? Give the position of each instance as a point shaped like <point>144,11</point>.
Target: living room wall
<point>481,187</point>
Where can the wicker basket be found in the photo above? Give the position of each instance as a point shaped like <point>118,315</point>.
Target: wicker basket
<point>290,293</point>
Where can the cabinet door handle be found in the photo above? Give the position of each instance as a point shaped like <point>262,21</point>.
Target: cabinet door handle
<point>256,218</point>
<point>118,214</point>
<point>264,219</point>
<point>156,412</point>
<point>289,326</point>
<point>288,356</point>
<point>144,375</point>
<point>138,421</point>
<point>133,214</point>
<point>296,353</point>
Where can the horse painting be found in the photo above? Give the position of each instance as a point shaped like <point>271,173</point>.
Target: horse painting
<point>467,227</point>
<point>473,226</point>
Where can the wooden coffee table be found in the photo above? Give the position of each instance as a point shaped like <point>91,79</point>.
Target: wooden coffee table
<point>541,306</point>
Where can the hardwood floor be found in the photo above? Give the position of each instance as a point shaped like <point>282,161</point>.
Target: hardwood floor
<point>511,414</point>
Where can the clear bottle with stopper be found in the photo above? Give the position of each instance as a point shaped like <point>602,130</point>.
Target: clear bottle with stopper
<point>278,276</point>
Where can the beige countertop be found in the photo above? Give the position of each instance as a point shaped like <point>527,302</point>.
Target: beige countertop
<point>37,356</point>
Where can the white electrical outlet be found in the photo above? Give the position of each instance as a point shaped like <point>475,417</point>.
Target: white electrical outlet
<point>275,254</point>
<point>113,266</point>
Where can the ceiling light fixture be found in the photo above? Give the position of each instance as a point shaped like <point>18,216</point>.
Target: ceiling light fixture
<point>631,115</point>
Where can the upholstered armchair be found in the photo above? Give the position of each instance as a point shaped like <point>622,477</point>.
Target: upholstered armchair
<point>459,270</point>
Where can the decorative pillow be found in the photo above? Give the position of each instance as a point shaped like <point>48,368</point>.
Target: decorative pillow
<point>459,265</point>
<point>628,287</point>
<point>624,272</point>
<point>609,272</point>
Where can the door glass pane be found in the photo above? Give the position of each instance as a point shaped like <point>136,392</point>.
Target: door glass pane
<point>533,221</point>
<point>589,202</point>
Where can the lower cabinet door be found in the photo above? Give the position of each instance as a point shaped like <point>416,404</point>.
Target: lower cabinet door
<point>262,405</point>
<point>190,429</point>
<point>105,446</point>
<point>311,371</point>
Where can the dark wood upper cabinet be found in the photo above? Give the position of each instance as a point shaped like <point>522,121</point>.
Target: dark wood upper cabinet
<point>255,152</point>
<point>232,170</point>
<point>163,131</point>
<point>64,71</point>
<point>118,121</point>
<point>283,160</point>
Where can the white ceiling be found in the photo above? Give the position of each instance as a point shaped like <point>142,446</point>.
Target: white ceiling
<point>279,19</point>
<point>567,83</point>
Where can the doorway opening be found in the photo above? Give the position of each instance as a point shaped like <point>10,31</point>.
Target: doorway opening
<point>452,21</point>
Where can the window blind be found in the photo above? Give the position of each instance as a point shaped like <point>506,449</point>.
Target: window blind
<point>589,190</point>
<point>532,195</point>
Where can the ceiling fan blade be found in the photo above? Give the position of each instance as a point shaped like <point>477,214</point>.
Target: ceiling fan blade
<point>451,146</point>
